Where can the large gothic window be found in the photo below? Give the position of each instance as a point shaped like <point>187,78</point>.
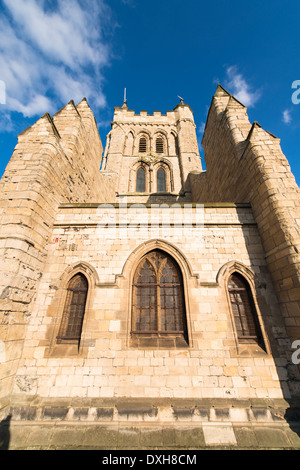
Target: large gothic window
<point>141,180</point>
<point>158,299</point>
<point>74,308</point>
<point>243,309</point>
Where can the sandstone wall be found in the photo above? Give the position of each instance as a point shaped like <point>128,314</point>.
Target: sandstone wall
<point>245,164</point>
<point>56,160</point>
<point>107,364</point>
<point>181,154</point>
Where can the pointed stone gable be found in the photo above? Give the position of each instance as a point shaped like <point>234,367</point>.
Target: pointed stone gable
<point>245,163</point>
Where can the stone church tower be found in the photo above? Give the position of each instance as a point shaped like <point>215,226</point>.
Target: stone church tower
<point>157,144</point>
<point>149,304</point>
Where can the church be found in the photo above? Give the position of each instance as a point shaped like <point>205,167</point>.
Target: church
<point>147,303</point>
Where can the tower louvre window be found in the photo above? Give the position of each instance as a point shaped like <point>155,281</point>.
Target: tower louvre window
<point>159,145</point>
<point>74,308</point>
<point>143,145</point>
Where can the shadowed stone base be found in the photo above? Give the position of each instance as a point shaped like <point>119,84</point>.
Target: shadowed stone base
<point>71,437</point>
<point>149,424</point>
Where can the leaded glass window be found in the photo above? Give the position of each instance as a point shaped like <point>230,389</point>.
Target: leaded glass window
<point>158,299</point>
<point>74,308</point>
<point>243,309</point>
<point>141,180</point>
<point>161,180</point>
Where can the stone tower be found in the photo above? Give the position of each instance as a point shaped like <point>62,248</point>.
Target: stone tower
<point>149,304</point>
<point>255,170</point>
<point>151,142</point>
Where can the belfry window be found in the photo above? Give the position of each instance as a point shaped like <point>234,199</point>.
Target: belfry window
<point>159,145</point>
<point>143,145</point>
<point>141,180</point>
<point>74,308</point>
<point>243,309</point>
<point>158,299</point>
<point>161,180</point>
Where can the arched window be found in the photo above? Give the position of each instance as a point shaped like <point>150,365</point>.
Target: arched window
<point>159,145</point>
<point>243,309</point>
<point>143,145</point>
<point>129,144</point>
<point>161,180</point>
<point>141,180</point>
<point>174,144</point>
<point>74,308</point>
<point>158,300</point>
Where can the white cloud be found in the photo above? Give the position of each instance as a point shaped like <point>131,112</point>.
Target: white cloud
<point>52,52</point>
<point>37,105</point>
<point>286,116</point>
<point>201,128</point>
<point>238,86</point>
<point>131,3</point>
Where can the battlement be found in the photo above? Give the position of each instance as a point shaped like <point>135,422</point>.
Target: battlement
<point>125,115</point>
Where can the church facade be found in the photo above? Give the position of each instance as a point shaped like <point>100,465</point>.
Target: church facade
<point>150,304</point>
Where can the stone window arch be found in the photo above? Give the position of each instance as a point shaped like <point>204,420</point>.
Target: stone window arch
<point>58,342</point>
<point>174,144</point>
<point>140,186</point>
<point>164,178</point>
<point>158,305</point>
<point>128,147</point>
<point>161,182</point>
<point>142,144</point>
<point>241,286</point>
<point>159,145</point>
<point>243,309</point>
<point>74,309</point>
<point>139,177</point>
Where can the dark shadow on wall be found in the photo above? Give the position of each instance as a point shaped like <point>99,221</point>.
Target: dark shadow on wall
<point>292,417</point>
<point>5,433</point>
<point>292,412</point>
<point>278,339</point>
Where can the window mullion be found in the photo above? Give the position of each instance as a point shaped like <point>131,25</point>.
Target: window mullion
<point>158,278</point>
<point>158,303</point>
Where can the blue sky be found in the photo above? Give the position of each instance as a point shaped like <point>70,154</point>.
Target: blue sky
<point>58,50</point>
